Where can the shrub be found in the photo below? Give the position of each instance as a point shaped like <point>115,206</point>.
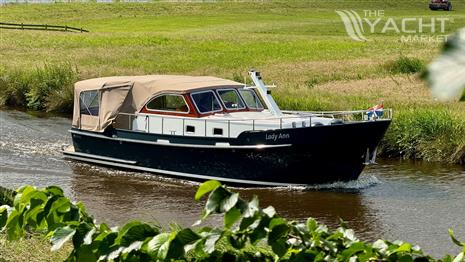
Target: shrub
<point>250,233</point>
<point>47,88</point>
<point>429,134</point>
<point>405,65</point>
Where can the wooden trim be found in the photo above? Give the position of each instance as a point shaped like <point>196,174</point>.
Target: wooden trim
<point>193,112</point>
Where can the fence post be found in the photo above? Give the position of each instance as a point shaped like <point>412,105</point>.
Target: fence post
<point>22,26</point>
<point>66,28</point>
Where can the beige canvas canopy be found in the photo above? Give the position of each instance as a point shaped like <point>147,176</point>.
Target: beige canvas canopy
<point>98,101</point>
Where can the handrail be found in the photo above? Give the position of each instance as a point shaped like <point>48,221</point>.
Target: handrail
<point>47,27</point>
<point>303,117</point>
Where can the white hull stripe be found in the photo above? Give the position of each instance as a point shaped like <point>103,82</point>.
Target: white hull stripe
<point>219,146</point>
<point>100,157</point>
<point>177,174</point>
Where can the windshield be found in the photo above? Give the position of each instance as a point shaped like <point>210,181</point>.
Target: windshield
<point>206,102</point>
<point>251,99</point>
<point>231,99</point>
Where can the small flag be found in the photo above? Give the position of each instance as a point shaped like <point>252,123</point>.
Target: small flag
<point>376,111</point>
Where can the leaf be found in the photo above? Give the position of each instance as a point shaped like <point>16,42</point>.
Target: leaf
<point>405,258</point>
<point>54,191</point>
<point>278,232</point>
<point>186,236</point>
<point>252,207</point>
<point>279,247</point>
<point>81,231</point>
<point>88,237</point>
<point>214,201</point>
<point>276,221</point>
<point>206,187</point>
<point>3,215</point>
<point>229,202</point>
<point>455,240</point>
<point>136,245</point>
<point>211,242</point>
<point>406,247</point>
<point>60,236</point>
<point>269,211</point>
<point>352,250</point>
<point>312,225</point>
<point>13,229</point>
<point>231,217</point>
<point>155,244</point>
<point>446,74</point>
<point>135,231</point>
<point>178,242</point>
<point>460,257</point>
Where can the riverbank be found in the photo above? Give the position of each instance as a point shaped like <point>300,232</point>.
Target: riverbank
<point>300,46</point>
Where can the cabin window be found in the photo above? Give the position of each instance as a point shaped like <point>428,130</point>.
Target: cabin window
<point>168,103</point>
<point>89,102</point>
<point>231,99</point>
<point>206,102</point>
<point>251,99</point>
<point>190,129</point>
<point>218,131</point>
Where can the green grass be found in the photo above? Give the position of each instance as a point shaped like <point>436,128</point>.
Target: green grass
<point>32,248</point>
<point>301,46</point>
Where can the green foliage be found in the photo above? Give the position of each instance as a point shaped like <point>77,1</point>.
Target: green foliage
<point>406,65</point>
<point>250,233</point>
<point>47,88</point>
<point>429,134</point>
<point>6,196</point>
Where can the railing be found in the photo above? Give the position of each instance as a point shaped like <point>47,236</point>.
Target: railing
<point>205,127</point>
<point>353,115</point>
<point>22,26</point>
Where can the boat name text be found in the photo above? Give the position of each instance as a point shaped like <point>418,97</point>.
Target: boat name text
<point>275,136</point>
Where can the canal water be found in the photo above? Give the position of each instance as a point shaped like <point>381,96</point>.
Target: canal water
<point>413,202</point>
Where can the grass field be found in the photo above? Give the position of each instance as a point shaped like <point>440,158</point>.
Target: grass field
<point>302,46</point>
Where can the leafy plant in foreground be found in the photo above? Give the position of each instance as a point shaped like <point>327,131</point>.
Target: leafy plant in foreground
<point>250,233</point>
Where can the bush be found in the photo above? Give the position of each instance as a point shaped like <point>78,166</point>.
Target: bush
<point>429,134</point>
<point>47,88</point>
<point>6,196</point>
<point>405,65</point>
<point>250,233</point>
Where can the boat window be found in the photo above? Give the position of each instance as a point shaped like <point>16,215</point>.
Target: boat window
<point>218,131</point>
<point>231,99</point>
<point>89,102</point>
<point>206,102</point>
<point>169,102</point>
<point>190,129</point>
<point>251,99</point>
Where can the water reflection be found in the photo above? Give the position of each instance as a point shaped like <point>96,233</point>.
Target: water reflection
<point>116,196</point>
<point>111,195</point>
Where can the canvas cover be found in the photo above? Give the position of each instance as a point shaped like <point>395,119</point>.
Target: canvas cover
<point>128,94</point>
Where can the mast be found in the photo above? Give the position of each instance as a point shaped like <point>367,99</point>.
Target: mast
<point>264,93</point>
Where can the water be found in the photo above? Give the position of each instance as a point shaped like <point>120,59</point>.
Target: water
<point>392,200</point>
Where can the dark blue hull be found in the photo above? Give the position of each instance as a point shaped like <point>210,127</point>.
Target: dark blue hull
<point>300,156</point>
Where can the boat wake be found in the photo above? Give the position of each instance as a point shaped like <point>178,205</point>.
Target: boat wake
<point>364,181</point>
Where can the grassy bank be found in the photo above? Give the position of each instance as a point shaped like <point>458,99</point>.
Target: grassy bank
<point>33,248</point>
<point>301,46</point>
